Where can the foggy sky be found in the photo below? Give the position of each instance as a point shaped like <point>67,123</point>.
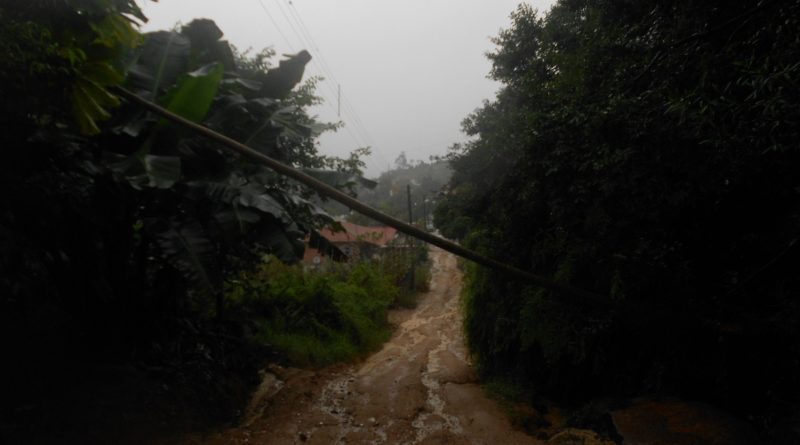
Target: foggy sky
<point>410,70</point>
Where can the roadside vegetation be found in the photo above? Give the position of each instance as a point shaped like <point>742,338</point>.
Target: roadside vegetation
<point>127,294</point>
<point>315,318</point>
<point>389,195</point>
<point>647,152</point>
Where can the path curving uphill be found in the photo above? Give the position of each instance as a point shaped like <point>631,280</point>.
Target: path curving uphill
<point>418,389</point>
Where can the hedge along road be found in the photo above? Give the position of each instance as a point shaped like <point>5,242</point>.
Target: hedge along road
<point>354,204</point>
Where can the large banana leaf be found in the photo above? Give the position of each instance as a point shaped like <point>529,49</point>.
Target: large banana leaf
<point>153,69</point>
<point>90,100</point>
<point>194,94</point>
<point>285,118</point>
<point>190,98</point>
<point>249,195</point>
<point>236,82</point>
<point>159,63</point>
<point>236,220</point>
<point>146,170</point>
<point>186,247</point>
<point>254,198</point>
<point>242,207</point>
<point>283,242</point>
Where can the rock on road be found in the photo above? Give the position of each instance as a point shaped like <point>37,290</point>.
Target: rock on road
<point>418,389</point>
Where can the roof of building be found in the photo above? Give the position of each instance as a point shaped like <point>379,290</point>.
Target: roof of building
<point>379,236</point>
<point>309,253</point>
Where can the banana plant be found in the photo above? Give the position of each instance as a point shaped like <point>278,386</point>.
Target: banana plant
<point>220,206</point>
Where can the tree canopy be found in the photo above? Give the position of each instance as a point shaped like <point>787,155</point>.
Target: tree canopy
<point>646,151</point>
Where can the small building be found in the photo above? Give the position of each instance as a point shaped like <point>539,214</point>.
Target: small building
<point>354,241</point>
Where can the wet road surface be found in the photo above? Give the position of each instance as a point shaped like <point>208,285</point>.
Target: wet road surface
<point>418,389</point>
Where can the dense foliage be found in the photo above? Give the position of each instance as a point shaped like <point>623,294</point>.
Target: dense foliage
<point>118,230</point>
<point>646,151</point>
<point>316,318</point>
<point>390,196</point>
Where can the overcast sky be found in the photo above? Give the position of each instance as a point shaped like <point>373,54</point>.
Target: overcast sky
<point>409,70</point>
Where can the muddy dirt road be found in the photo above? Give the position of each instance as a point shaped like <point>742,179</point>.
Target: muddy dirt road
<point>419,389</point>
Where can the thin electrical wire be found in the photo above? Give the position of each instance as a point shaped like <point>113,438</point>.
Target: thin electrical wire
<point>312,43</point>
<point>358,132</point>
<point>291,25</point>
<point>274,23</point>
<point>359,141</point>
<point>352,125</point>
<point>356,117</point>
<point>322,63</point>
<point>350,116</point>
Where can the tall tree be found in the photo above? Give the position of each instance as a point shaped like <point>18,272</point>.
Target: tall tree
<point>646,151</point>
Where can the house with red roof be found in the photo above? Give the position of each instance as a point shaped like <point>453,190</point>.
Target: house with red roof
<point>354,241</point>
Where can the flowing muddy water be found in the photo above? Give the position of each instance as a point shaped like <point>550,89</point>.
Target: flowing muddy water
<point>421,389</point>
<point>418,389</point>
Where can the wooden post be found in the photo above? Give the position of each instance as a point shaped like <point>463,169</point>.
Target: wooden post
<point>411,243</point>
<point>408,193</point>
<point>424,214</point>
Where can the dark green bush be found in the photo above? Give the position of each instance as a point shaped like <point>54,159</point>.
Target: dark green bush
<point>118,229</point>
<point>409,269</point>
<point>316,318</point>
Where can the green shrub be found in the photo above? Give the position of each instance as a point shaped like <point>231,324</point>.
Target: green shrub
<point>409,270</point>
<point>316,318</point>
<point>422,277</point>
<point>624,157</point>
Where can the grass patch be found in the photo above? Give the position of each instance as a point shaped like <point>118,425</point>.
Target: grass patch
<point>314,319</point>
<point>399,264</point>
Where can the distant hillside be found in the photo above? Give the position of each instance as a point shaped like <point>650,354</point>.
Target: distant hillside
<point>390,196</point>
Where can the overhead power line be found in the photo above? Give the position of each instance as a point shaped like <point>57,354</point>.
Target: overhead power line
<point>357,133</point>
<point>286,17</point>
<point>275,24</point>
<point>305,36</point>
<point>354,125</point>
<point>322,60</point>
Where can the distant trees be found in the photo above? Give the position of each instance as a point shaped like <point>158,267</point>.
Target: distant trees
<point>646,151</point>
<point>401,161</point>
<point>427,180</point>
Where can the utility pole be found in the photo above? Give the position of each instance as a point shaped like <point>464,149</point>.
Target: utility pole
<point>424,213</point>
<point>409,240</point>
<point>410,216</point>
